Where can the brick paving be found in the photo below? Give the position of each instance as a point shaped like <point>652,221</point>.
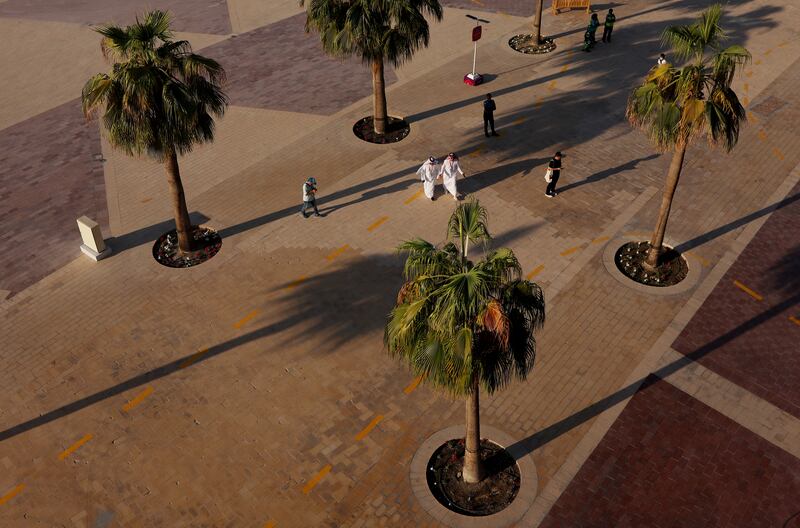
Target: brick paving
<point>669,460</point>
<point>253,373</point>
<point>51,173</point>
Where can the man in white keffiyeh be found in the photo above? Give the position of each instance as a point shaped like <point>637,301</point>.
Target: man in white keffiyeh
<point>429,173</point>
<point>450,169</point>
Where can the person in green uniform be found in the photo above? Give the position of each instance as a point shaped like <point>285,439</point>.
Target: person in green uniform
<point>594,23</point>
<point>587,41</point>
<point>608,26</point>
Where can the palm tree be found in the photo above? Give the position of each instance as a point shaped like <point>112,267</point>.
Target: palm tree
<point>537,22</point>
<point>158,98</point>
<point>462,325</point>
<point>375,30</point>
<point>675,105</point>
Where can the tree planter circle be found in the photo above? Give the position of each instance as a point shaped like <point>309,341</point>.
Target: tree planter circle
<point>623,257</point>
<point>519,457</point>
<point>396,130</point>
<point>493,494</point>
<point>524,44</point>
<point>165,250</point>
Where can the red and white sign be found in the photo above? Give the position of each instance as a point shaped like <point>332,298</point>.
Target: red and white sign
<point>476,33</point>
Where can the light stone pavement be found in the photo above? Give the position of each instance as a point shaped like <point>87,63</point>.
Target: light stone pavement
<point>231,394</point>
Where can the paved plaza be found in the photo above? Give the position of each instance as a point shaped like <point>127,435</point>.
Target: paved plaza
<point>254,390</point>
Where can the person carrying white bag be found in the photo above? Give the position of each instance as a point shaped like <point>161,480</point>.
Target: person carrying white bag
<point>552,175</point>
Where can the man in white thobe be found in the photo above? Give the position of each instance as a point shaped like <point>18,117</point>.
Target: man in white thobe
<point>429,173</point>
<point>450,169</point>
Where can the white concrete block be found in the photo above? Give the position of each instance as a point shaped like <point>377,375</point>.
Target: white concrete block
<point>93,244</point>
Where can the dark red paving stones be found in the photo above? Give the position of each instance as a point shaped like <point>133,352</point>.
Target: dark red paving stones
<point>280,67</point>
<point>753,343</point>
<point>510,7</point>
<point>50,175</point>
<point>206,16</point>
<point>671,461</point>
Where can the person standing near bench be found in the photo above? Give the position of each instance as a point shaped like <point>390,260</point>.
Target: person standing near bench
<point>488,115</point>
<point>608,26</point>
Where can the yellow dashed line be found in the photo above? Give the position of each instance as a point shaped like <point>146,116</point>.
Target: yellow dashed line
<point>270,524</point>
<point>337,252</point>
<point>537,270</point>
<point>778,154</point>
<point>600,239</point>
<point>762,135</point>
<point>478,2</point>
<point>138,399</point>
<point>74,447</point>
<point>377,223</point>
<point>551,86</point>
<point>243,321</point>
<point>192,359</point>
<point>564,68</point>
<point>412,385</point>
<point>783,44</point>
<point>757,62</point>
<point>746,87</point>
<point>476,151</point>
<point>752,117</point>
<point>748,74</point>
<point>748,291</point>
<point>365,431</point>
<point>11,494</point>
<point>746,101</point>
<point>704,261</point>
<point>316,479</point>
<point>538,101</point>
<point>519,120</point>
<point>569,251</point>
<point>414,197</point>
<point>795,320</point>
<point>297,282</point>
<point>767,52</point>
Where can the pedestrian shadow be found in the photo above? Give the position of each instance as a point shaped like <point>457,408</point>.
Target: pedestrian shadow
<point>735,224</point>
<point>499,173</point>
<point>540,438</point>
<point>786,273</point>
<point>611,171</point>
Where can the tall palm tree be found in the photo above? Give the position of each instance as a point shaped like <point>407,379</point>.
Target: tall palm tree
<point>537,22</point>
<point>158,98</point>
<point>463,325</point>
<point>375,30</point>
<point>675,105</point>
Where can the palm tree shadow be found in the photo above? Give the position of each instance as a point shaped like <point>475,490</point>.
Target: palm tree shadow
<point>786,273</point>
<point>611,171</point>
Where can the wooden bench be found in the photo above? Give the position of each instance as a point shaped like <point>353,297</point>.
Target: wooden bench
<point>569,4</point>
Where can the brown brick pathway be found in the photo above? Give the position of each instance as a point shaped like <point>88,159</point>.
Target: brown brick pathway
<point>50,174</point>
<point>670,461</point>
<point>758,343</point>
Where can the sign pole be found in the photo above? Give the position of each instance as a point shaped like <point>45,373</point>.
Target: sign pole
<point>474,78</point>
<point>474,57</point>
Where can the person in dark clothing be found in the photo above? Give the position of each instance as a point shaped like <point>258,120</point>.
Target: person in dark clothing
<point>488,115</point>
<point>554,168</point>
<point>594,23</point>
<point>587,41</point>
<point>608,26</point>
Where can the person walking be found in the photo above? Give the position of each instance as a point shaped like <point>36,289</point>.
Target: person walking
<point>450,169</point>
<point>552,175</point>
<point>594,23</point>
<point>662,59</point>
<point>429,173</point>
<point>309,197</point>
<point>488,115</point>
<point>608,25</point>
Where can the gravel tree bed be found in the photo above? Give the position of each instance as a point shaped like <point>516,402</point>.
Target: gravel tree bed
<point>165,250</point>
<point>672,270</point>
<point>493,494</point>
<point>524,44</point>
<point>396,130</point>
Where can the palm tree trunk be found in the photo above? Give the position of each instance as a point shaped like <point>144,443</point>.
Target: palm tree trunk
<point>674,174</point>
<point>379,115</point>
<point>182,223</point>
<point>537,22</point>
<point>473,469</point>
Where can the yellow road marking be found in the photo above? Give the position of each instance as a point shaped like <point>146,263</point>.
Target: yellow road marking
<point>478,2</point>
<point>757,62</point>
<point>192,359</point>
<point>704,261</point>
<point>783,44</point>
<point>337,252</point>
<point>270,524</point>
<point>748,291</point>
<point>243,321</point>
<point>551,86</point>
<point>74,447</point>
<point>538,101</point>
<point>297,282</point>
<point>414,197</point>
<point>746,87</point>
<point>752,117</point>
<point>795,320</point>
<point>377,223</point>
<point>365,431</point>
<point>476,151</point>
<point>767,52</point>
<point>519,120</point>
<point>762,135</point>
<point>537,270</point>
<point>138,399</point>
<point>600,239</point>
<point>145,200</point>
<point>412,385</point>
<point>564,68</point>
<point>569,251</point>
<point>746,101</point>
<point>778,154</point>
<point>316,479</point>
<point>748,74</point>
<point>11,494</point>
